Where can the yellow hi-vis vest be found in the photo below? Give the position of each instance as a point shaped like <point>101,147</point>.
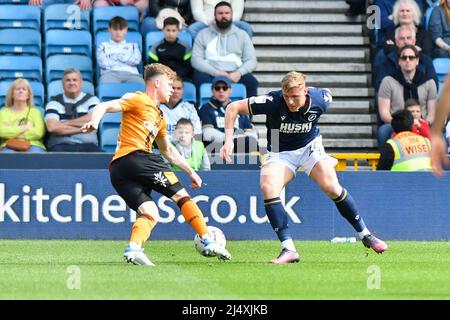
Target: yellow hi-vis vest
<point>195,160</point>
<point>411,152</point>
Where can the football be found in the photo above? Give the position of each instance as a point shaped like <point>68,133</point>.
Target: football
<point>215,233</point>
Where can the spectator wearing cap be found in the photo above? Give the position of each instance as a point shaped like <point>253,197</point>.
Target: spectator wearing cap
<point>212,116</point>
<point>223,49</point>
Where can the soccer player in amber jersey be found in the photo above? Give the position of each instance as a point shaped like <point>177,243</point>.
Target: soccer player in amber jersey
<point>135,170</point>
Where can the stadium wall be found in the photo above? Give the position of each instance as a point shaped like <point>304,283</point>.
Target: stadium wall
<point>81,204</point>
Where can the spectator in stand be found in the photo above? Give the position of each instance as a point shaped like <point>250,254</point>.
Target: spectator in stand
<point>117,58</point>
<point>204,15</point>
<point>142,5</point>
<point>193,151</point>
<point>66,114</point>
<point>440,29</point>
<point>410,81</point>
<point>177,109</point>
<point>385,65</point>
<point>19,119</point>
<point>224,50</point>
<point>386,8</point>
<point>407,13</point>
<point>84,4</point>
<point>171,51</point>
<point>420,126</point>
<point>212,115</point>
<point>407,151</point>
<point>356,7</point>
<point>159,10</point>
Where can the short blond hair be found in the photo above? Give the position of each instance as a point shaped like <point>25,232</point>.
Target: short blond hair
<point>156,69</point>
<point>10,95</point>
<point>293,79</point>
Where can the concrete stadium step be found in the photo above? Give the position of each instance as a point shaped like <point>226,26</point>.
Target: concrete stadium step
<point>303,18</point>
<point>318,80</point>
<point>334,131</point>
<point>336,92</point>
<point>349,143</point>
<point>302,54</point>
<point>297,6</point>
<point>337,107</point>
<point>314,67</point>
<point>347,118</point>
<point>307,29</point>
<point>311,41</point>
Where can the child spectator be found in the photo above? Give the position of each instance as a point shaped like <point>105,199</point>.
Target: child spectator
<point>420,126</point>
<point>177,108</point>
<point>192,150</point>
<point>22,126</point>
<point>118,59</point>
<point>171,51</point>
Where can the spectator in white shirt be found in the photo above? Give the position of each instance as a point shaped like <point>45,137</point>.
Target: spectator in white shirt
<point>118,59</point>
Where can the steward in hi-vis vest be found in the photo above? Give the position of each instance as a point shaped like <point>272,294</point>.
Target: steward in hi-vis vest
<point>407,151</point>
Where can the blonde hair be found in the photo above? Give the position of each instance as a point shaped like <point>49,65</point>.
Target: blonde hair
<point>155,69</point>
<point>10,95</point>
<point>293,79</point>
<point>417,14</point>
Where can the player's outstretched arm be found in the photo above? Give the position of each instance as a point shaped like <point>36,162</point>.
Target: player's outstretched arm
<point>438,152</point>
<point>99,111</point>
<point>231,113</point>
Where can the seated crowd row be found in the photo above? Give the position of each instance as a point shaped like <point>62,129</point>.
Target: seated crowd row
<point>219,49</point>
<point>59,130</point>
<point>404,72</point>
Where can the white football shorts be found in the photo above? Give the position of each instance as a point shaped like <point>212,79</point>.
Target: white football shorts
<point>304,158</point>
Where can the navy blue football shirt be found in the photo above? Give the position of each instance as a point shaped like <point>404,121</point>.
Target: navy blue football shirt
<point>295,129</point>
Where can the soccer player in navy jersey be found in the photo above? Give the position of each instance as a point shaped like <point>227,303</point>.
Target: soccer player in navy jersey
<point>294,141</point>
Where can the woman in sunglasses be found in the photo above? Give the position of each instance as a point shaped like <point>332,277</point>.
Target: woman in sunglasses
<point>22,127</point>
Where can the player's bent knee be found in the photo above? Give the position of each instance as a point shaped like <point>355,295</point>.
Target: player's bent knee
<point>268,190</point>
<point>179,195</point>
<point>150,210</point>
<point>332,188</point>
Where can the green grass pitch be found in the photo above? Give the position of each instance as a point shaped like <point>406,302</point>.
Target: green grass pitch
<point>63,269</point>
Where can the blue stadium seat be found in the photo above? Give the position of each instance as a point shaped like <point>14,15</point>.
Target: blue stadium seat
<point>68,42</point>
<point>109,130</point>
<point>153,37</point>
<point>29,67</point>
<point>442,67</point>
<point>102,15</point>
<point>56,65</point>
<point>66,16</point>
<point>26,17</point>
<point>190,92</point>
<point>20,41</point>
<point>111,91</point>
<point>55,87</point>
<point>239,92</point>
<point>38,92</point>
